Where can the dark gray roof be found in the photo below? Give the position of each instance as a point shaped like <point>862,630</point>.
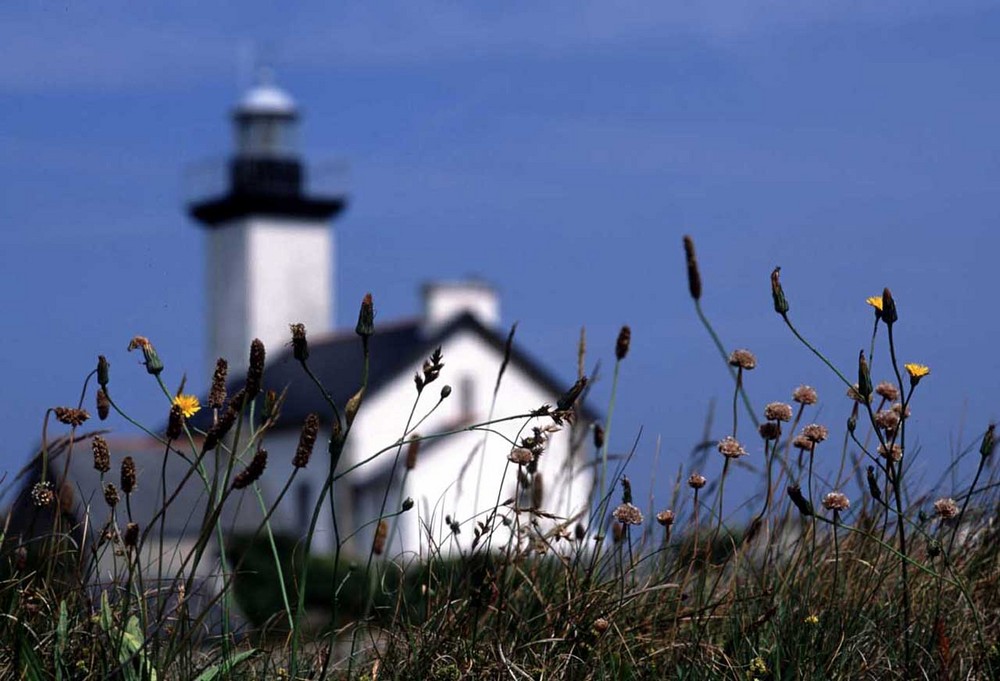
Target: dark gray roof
<point>336,360</point>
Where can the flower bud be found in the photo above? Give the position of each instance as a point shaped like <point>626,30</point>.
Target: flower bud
<point>889,315</point>
<point>778,293</point>
<point>103,404</point>
<point>989,442</point>
<point>300,346</point>
<point>366,317</point>
<point>694,277</point>
<point>103,368</point>
<point>407,504</point>
<point>623,343</point>
<point>864,388</point>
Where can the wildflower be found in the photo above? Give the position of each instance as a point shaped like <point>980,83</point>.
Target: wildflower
<point>381,534</point>
<point>102,455</point>
<point>742,359</point>
<point>805,394</point>
<point>897,407</point>
<point>366,317</point>
<point>694,277</point>
<point>887,390</point>
<point>916,372</point>
<point>946,508</point>
<point>42,495</point>
<point>665,518</point>
<point>71,416</point>
<point>255,372</point>
<point>854,392</point>
<point>778,293</point>
<point>697,481</point>
<point>896,454</point>
<point>103,404</point>
<point>128,477</point>
<point>814,432</point>
<point>876,302</point>
<point>187,404</point>
<point>217,395</point>
<point>300,346</point>
<point>307,440</point>
<point>731,448</point>
<point>758,666</point>
<point>253,471</point>
<point>111,494</point>
<point>778,411</point>
<point>811,620</point>
<point>769,430</point>
<point>154,365</point>
<point>628,514</point>
<point>836,501</point>
<point>623,343</point>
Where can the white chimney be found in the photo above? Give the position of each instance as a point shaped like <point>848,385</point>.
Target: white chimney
<point>446,300</point>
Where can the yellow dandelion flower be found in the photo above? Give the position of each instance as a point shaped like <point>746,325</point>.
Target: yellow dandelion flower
<point>188,405</point>
<point>916,372</point>
<point>811,619</point>
<point>876,302</point>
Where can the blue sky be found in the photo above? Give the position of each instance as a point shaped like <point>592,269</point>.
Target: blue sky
<point>559,151</point>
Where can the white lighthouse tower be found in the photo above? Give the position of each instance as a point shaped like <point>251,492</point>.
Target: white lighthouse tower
<point>270,256</point>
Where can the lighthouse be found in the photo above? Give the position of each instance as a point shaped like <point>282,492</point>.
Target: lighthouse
<point>270,251</point>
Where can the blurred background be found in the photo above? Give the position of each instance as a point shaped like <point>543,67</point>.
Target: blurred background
<point>559,152</point>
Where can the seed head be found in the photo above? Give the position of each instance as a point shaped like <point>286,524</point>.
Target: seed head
<point>217,395</point>
<point>898,408</point>
<point>731,448</point>
<point>836,501</point>
<point>769,430</point>
<point>102,455</point>
<point>623,343</point>
<point>131,536</point>
<point>381,534</point>
<point>253,471</point>
<point>803,443</point>
<point>103,370</point>
<point>175,422</point>
<point>946,508</point>
<point>628,514</point>
<point>888,391</point>
<point>71,416</point>
<point>111,494</point>
<point>989,441</point>
<point>128,477</point>
<point>743,359</point>
<point>255,372</point>
<point>694,277</point>
<point>300,346</point>
<point>887,420</point>
<point>307,440</point>
<point>42,495</point>
<point>815,433</point>
<point>778,411</point>
<point>103,404</point>
<point>805,394</point>
<point>697,481</point>
<point>665,518</point>
<point>225,422</point>
<point>521,456</point>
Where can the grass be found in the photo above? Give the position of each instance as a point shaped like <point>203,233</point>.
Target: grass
<point>808,584</point>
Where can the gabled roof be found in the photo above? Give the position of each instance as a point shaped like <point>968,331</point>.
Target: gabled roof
<point>336,360</point>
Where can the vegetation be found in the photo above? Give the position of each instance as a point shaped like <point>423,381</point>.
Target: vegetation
<point>889,583</point>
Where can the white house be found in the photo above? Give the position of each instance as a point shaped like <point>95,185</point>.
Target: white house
<point>270,263</point>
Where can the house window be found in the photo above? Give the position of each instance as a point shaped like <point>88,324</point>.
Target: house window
<point>467,395</point>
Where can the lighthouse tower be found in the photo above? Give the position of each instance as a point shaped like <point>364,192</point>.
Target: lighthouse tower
<point>270,255</point>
